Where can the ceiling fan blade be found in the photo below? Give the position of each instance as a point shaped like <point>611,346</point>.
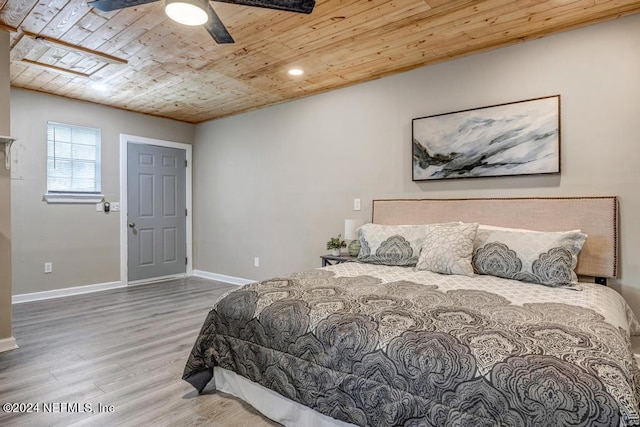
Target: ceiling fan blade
<point>216,28</point>
<point>109,5</point>
<point>299,6</point>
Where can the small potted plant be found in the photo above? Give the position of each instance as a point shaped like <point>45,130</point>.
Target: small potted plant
<point>335,244</point>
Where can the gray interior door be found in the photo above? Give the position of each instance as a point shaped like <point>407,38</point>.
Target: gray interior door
<point>156,211</point>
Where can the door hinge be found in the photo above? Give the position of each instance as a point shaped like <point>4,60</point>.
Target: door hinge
<point>186,162</point>
<point>186,261</point>
<point>186,212</point>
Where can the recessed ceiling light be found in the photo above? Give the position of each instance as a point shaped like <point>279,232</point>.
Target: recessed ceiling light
<point>295,72</point>
<point>100,87</point>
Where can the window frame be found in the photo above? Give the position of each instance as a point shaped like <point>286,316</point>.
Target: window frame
<point>71,196</point>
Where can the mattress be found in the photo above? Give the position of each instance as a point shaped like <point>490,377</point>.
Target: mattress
<point>380,345</point>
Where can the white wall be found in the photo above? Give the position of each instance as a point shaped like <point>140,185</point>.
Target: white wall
<point>278,182</point>
<point>84,245</point>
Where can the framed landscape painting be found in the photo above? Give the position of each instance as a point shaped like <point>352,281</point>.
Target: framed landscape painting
<point>518,138</point>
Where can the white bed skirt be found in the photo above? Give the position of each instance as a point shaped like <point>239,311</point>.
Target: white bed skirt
<point>271,404</point>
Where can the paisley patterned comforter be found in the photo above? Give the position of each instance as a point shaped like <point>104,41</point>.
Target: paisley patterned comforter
<point>378,345</point>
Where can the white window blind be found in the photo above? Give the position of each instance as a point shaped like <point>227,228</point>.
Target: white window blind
<point>73,159</point>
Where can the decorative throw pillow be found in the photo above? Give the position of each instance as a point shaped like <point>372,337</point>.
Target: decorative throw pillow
<point>448,249</point>
<point>391,244</point>
<point>547,258</point>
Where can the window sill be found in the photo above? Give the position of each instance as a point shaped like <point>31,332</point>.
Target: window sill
<point>73,198</point>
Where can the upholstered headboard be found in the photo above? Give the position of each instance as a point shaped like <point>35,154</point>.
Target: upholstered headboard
<point>595,216</point>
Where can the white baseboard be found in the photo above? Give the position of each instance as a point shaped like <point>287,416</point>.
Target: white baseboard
<point>58,293</point>
<point>77,290</point>
<point>7,344</point>
<point>222,278</point>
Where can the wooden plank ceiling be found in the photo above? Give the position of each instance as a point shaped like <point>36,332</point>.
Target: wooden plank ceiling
<point>159,67</point>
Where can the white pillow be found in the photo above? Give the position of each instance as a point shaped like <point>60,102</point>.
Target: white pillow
<point>547,258</point>
<point>448,249</point>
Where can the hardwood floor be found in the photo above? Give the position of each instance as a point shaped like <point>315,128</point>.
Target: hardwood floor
<point>126,348</point>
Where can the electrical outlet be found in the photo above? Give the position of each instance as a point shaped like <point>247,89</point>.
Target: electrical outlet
<point>256,261</point>
<point>48,267</point>
<point>356,204</point>
<point>115,206</point>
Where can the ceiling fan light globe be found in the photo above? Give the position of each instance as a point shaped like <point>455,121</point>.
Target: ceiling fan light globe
<point>186,12</point>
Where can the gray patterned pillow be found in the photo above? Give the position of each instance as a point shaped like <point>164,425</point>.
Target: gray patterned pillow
<point>448,249</point>
<point>547,258</point>
<point>391,244</point>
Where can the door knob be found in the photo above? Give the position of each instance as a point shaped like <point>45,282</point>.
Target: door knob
<point>132,224</point>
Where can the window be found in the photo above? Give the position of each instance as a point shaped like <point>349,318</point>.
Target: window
<point>73,163</point>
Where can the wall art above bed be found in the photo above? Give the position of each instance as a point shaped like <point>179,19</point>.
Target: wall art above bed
<point>517,138</point>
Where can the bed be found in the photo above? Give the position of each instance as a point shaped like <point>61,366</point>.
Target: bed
<point>377,344</point>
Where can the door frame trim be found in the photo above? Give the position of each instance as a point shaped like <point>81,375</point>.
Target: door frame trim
<point>124,249</point>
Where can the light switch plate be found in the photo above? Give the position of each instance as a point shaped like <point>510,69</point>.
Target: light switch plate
<point>356,204</point>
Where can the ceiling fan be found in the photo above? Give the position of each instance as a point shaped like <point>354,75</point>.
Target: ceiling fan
<point>203,13</point>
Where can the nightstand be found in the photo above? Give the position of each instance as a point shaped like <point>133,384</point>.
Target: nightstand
<point>337,259</point>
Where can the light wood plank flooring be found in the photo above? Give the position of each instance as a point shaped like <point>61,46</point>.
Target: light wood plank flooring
<point>126,348</point>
